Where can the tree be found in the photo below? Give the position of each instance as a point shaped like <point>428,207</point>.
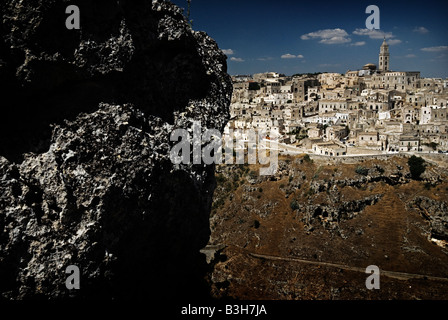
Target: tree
<point>307,158</point>
<point>362,171</point>
<point>294,205</point>
<point>416,166</point>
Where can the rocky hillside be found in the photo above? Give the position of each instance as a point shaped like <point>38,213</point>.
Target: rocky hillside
<point>310,231</point>
<point>85,174</point>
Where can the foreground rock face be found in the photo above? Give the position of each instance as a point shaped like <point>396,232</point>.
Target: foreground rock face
<point>97,189</point>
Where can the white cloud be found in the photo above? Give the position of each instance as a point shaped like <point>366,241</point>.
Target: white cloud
<point>328,36</point>
<point>291,56</point>
<point>358,44</point>
<point>335,40</point>
<point>392,42</point>
<point>378,34</point>
<point>228,51</point>
<point>435,49</point>
<point>411,55</point>
<point>236,59</point>
<point>288,56</point>
<point>265,59</point>
<point>421,30</point>
<point>373,34</point>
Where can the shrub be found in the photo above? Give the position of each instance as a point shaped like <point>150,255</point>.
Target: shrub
<point>252,174</point>
<point>294,205</point>
<point>220,178</point>
<point>362,171</point>
<point>307,158</point>
<point>416,166</point>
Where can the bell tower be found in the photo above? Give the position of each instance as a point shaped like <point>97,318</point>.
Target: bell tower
<point>384,57</point>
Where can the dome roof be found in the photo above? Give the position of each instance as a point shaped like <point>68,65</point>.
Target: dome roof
<point>370,66</point>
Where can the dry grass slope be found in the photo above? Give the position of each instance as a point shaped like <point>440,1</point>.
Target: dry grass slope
<point>326,212</point>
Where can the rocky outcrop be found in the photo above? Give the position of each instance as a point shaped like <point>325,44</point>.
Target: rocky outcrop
<point>437,214</point>
<point>330,215</point>
<point>85,173</point>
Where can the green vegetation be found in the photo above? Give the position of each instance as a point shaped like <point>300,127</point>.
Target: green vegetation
<point>362,171</point>
<point>417,166</point>
<point>220,179</point>
<point>294,205</point>
<point>307,158</point>
<point>300,133</point>
<point>253,174</point>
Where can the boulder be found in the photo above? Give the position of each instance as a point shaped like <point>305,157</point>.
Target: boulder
<point>85,173</point>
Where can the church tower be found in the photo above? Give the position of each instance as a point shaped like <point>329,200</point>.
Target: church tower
<point>384,57</point>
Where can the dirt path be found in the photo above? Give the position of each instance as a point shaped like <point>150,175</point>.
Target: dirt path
<point>390,274</point>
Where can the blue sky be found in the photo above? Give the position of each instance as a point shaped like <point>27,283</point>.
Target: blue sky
<point>291,37</point>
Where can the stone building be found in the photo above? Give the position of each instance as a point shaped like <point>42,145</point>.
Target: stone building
<point>384,57</point>
<point>431,114</point>
<point>409,143</point>
<point>370,140</point>
<point>335,133</point>
<point>332,148</point>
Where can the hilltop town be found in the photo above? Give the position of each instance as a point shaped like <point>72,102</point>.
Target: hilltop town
<point>369,111</point>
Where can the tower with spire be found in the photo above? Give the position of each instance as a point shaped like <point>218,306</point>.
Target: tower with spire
<point>384,57</point>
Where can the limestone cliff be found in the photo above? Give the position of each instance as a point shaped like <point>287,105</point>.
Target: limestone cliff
<point>85,174</point>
